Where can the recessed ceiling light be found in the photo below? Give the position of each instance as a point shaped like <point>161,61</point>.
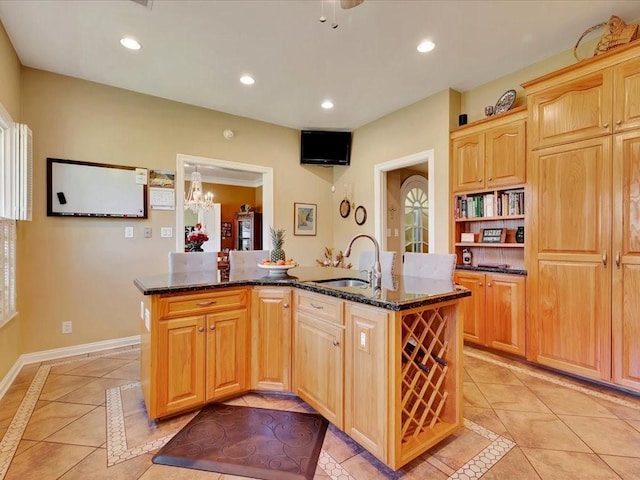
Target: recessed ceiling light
<point>327,104</point>
<point>130,43</point>
<point>426,46</point>
<point>247,80</point>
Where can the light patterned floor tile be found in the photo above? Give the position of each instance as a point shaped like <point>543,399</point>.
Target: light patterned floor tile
<point>553,464</point>
<point>46,461</point>
<point>620,439</point>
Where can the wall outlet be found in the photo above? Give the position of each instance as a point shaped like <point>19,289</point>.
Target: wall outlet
<point>67,327</point>
<point>166,232</point>
<point>147,232</point>
<point>128,232</point>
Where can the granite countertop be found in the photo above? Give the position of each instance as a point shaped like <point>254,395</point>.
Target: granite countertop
<point>475,268</point>
<point>397,293</point>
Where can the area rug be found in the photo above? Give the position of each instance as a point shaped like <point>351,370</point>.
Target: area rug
<point>248,441</point>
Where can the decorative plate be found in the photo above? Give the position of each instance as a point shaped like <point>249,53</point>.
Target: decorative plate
<point>360,215</point>
<point>345,208</point>
<point>277,270</point>
<point>505,102</point>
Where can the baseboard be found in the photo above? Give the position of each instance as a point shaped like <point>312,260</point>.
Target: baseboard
<point>54,354</point>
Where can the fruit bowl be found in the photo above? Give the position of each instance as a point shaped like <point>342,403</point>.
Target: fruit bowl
<point>277,270</point>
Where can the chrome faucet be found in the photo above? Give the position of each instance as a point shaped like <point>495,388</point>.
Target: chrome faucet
<point>376,275</point>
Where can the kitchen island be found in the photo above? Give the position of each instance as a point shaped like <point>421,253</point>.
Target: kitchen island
<point>383,365</point>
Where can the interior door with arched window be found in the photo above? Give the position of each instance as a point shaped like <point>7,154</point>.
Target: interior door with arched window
<point>415,215</point>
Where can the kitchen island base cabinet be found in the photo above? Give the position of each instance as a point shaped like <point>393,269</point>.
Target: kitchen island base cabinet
<point>271,339</point>
<point>194,349</point>
<point>394,385</point>
<point>366,377</point>
<point>319,354</point>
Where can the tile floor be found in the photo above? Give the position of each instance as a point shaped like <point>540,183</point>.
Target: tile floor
<point>83,418</point>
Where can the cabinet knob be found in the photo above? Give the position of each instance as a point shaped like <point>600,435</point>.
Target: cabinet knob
<point>201,329</point>
<point>479,180</point>
<point>488,284</point>
<point>604,258</point>
<point>618,259</point>
<point>606,125</point>
<point>212,326</point>
<point>285,305</point>
<point>336,343</point>
<point>618,122</point>
<point>479,284</point>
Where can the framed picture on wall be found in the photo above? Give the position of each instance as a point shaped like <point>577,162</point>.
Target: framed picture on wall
<point>305,218</point>
<point>225,229</point>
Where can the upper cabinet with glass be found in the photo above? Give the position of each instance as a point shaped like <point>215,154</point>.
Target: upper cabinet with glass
<point>490,153</point>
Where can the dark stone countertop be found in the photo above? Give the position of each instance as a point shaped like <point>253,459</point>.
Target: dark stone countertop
<point>397,292</point>
<point>510,271</point>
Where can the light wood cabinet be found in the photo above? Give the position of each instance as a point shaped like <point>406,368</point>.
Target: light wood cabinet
<point>271,339</point>
<point>366,377</point>
<point>194,350</point>
<point>181,351</point>
<point>494,315</point>
<point>319,354</point>
<point>585,253</point>
<point>626,260</point>
<point>576,106</point>
<point>490,153</point>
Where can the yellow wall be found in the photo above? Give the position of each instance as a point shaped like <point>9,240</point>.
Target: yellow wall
<point>82,269</point>
<point>418,127</point>
<point>10,99</point>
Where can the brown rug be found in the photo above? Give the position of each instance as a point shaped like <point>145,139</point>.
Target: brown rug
<point>247,441</point>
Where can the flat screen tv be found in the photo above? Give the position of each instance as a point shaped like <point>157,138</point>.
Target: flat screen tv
<point>318,147</point>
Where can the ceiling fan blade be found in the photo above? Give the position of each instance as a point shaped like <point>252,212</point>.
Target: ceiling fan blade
<point>346,4</point>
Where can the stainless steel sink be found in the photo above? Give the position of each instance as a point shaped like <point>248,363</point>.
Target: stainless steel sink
<point>344,282</point>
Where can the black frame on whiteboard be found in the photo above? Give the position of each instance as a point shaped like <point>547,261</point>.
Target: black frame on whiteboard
<point>86,189</point>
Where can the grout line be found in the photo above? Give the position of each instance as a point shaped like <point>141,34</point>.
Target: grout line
<point>554,380</point>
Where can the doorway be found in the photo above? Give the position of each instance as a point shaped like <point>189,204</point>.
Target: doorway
<point>230,167</point>
<point>381,203</point>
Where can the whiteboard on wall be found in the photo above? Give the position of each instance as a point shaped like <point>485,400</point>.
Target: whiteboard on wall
<point>85,189</point>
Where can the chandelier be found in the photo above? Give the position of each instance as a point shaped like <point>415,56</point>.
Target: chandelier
<point>196,200</point>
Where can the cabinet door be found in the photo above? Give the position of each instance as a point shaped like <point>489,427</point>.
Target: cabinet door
<point>505,154</point>
<point>271,339</point>
<point>572,111</point>
<point>319,360</point>
<point>467,167</point>
<point>626,265</point>
<point>227,354</point>
<point>626,96</point>
<point>366,368</point>
<point>180,360</point>
<point>471,309</point>
<point>505,310</point>
<point>571,240</point>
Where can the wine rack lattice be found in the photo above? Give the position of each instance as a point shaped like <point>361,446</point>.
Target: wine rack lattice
<point>424,370</point>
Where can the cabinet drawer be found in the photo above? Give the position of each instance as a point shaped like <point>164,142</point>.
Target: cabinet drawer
<point>320,306</point>
<point>179,305</point>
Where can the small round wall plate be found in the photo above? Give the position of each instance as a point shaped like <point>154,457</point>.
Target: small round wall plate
<point>360,215</point>
<point>505,102</point>
<point>345,208</point>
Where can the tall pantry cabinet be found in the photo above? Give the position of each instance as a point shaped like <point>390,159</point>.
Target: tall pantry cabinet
<point>583,174</point>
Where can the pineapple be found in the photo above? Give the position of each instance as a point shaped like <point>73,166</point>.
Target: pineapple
<point>277,239</point>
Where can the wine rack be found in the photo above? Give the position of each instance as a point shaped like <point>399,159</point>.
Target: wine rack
<point>429,362</point>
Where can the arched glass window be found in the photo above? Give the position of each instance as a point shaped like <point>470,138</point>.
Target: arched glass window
<point>415,218</point>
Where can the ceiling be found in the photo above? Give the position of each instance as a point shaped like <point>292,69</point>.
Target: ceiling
<point>195,51</point>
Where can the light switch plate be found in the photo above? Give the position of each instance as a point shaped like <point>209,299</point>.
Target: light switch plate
<point>128,232</point>
<point>166,232</point>
<point>147,232</point>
